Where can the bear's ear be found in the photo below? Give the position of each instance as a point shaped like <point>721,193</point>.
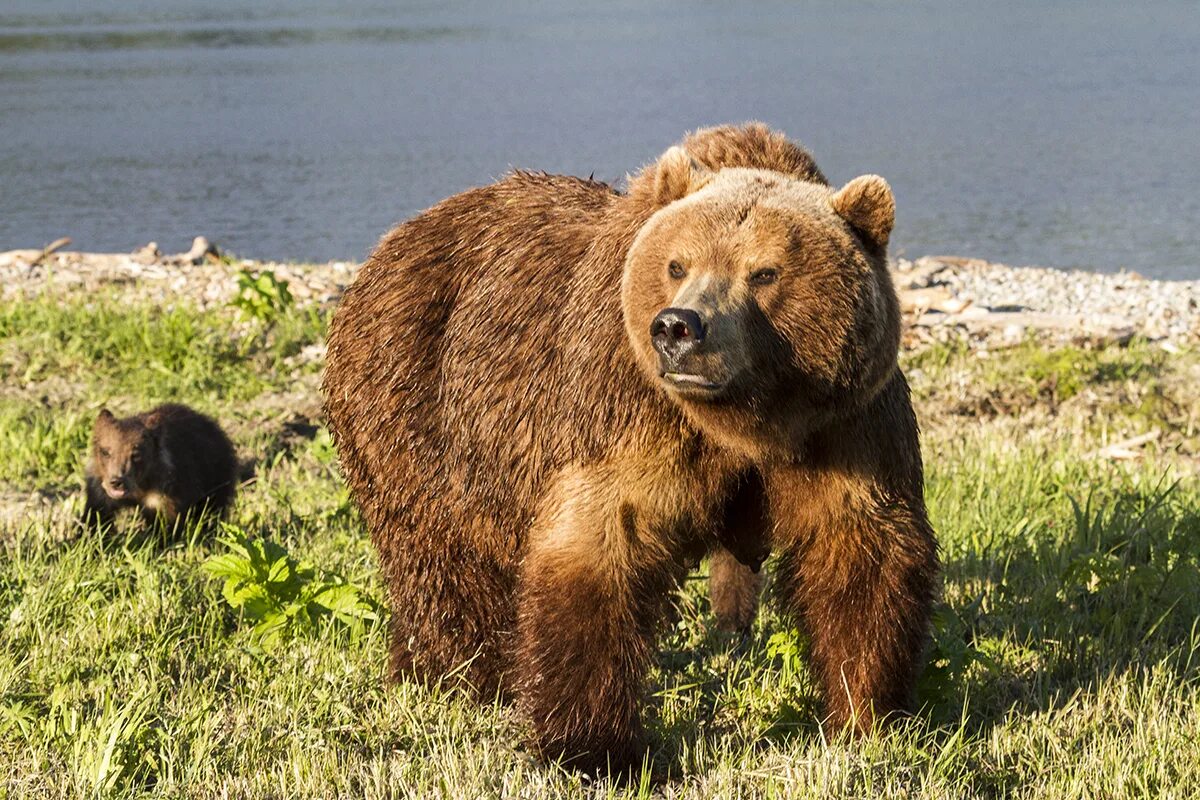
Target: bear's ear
<point>152,428</point>
<point>867,204</point>
<point>104,419</point>
<point>676,175</point>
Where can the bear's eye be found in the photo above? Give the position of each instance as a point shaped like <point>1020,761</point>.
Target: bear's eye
<point>676,270</point>
<point>763,277</point>
<point>104,452</point>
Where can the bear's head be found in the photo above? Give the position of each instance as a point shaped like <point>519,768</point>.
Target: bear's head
<point>753,297</point>
<point>125,453</point>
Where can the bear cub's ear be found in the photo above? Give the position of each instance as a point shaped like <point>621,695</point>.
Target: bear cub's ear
<point>868,205</point>
<point>676,175</point>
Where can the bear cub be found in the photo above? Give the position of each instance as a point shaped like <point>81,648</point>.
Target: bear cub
<point>167,462</point>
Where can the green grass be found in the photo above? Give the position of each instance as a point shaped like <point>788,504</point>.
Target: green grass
<point>60,364</point>
<point>1066,660</point>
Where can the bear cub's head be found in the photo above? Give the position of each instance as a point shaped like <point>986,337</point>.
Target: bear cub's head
<point>750,288</point>
<point>125,454</point>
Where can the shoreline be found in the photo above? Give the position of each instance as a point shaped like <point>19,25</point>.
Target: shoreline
<point>944,299</point>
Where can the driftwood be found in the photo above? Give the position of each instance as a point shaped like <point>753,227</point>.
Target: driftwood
<point>57,244</point>
<point>146,255</point>
<point>202,248</point>
<point>933,298</point>
<point>918,276</point>
<point>200,274</point>
<point>1009,321</point>
<point>1124,449</point>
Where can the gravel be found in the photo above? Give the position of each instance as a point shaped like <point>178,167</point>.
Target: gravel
<point>944,298</point>
<point>1157,310</point>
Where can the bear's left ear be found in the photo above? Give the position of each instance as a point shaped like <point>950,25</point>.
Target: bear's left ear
<point>676,175</point>
<point>868,205</point>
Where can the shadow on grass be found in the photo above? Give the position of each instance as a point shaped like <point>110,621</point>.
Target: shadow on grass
<point>1065,610</point>
<point>1059,610</point>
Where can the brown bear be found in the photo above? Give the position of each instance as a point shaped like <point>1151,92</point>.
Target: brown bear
<point>551,398</point>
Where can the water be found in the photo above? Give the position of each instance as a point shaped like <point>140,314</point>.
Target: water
<point>1056,134</point>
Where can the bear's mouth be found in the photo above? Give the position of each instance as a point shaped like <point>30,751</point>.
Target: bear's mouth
<point>692,382</point>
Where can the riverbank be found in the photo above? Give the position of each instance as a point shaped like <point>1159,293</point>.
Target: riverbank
<point>945,299</point>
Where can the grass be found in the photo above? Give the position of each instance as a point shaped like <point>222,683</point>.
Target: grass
<point>1066,659</point>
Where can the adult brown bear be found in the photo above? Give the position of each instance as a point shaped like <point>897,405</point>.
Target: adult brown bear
<point>551,398</point>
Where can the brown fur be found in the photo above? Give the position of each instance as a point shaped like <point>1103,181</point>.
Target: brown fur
<point>536,483</point>
<point>168,463</point>
<point>734,588</point>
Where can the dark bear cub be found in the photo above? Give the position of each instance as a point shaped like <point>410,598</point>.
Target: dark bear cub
<point>168,462</point>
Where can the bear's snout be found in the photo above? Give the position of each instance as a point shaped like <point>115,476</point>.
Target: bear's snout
<point>117,486</point>
<point>687,360</point>
<point>676,332</point>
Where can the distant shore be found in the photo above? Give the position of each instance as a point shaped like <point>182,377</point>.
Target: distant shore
<point>944,298</point>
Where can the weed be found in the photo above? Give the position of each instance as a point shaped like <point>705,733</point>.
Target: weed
<point>285,597</point>
<point>261,296</point>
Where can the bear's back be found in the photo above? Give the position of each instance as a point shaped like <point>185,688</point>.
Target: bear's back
<point>451,356</point>
<point>201,456</point>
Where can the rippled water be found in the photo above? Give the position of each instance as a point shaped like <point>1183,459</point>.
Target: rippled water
<point>1060,134</point>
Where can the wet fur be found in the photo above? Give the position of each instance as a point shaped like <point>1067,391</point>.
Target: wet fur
<point>534,495</point>
<point>187,466</point>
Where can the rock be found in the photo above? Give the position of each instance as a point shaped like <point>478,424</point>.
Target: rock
<point>202,248</point>
<point>147,254</point>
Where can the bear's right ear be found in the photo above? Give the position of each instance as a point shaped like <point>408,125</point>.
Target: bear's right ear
<point>104,419</point>
<point>676,175</point>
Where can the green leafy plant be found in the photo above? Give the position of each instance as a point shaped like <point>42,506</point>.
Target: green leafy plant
<point>792,707</point>
<point>283,596</point>
<point>1139,551</point>
<point>788,646</point>
<point>322,447</point>
<point>261,296</point>
<point>952,652</point>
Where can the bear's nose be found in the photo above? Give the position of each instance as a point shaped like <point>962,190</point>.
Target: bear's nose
<point>117,482</point>
<point>676,332</point>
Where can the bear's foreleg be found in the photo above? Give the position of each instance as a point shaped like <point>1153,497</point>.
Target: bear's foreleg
<point>858,571</point>
<point>735,576</point>
<point>593,591</point>
<point>98,510</point>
